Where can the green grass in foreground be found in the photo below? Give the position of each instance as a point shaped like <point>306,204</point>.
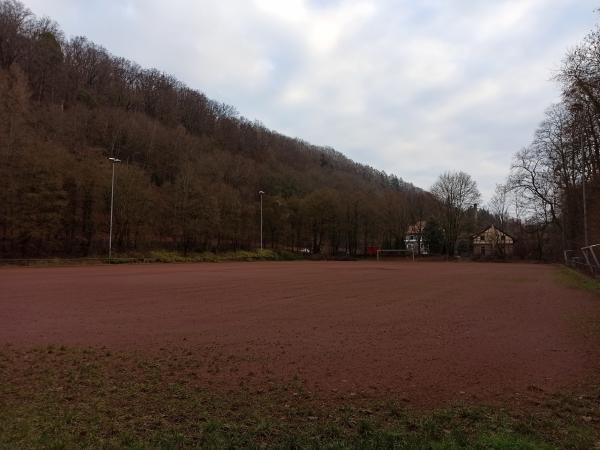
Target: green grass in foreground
<point>92,398</point>
<point>578,280</point>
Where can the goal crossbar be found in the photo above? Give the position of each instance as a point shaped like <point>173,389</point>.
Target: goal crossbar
<point>408,252</point>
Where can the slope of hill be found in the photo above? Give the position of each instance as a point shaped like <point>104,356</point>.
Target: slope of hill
<point>191,167</point>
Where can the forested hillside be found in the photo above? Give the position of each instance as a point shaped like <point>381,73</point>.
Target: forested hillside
<point>191,167</point>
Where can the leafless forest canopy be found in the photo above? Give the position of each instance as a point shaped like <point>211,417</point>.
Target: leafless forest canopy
<point>554,184</point>
<point>192,167</point>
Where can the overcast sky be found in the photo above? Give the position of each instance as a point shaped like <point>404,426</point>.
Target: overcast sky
<point>414,88</point>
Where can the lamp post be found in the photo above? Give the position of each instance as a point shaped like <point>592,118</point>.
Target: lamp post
<point>261,193</point>
<point>112,196</point>
<point>578,109</point>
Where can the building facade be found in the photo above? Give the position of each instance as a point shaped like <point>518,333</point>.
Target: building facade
<point>492,243</point>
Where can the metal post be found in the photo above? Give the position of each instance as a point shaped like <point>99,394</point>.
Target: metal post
<point>585,225</point>
<point>578,109</point>
<point>112,197</point>
<point>261,193</point>
<point>583,187</point>
<point>594,255</point>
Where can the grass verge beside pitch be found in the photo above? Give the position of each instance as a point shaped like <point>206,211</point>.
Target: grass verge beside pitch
<point>578,280</point>
<point>75,398</point>
<point>161,257</point>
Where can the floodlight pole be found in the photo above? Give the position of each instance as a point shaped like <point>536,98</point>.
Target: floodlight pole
<point>112,197</point>
<point>578,108</point>
<point>261,193</point>
<point>585,224</point>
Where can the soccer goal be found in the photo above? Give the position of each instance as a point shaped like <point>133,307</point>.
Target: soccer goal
<point>393,253</point>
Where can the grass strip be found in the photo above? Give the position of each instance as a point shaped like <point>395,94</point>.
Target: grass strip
<point>59,397</point>
<point>578,280</point>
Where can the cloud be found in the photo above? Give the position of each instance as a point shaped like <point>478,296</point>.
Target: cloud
<point>413,88</point>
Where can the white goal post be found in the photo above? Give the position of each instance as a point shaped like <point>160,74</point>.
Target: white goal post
<point>408,252</point>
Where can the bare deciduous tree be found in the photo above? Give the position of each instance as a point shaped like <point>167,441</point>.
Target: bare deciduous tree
<point>457,192</point>
<point>499,204</point>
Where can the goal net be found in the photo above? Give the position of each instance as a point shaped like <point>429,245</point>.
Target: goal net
<point>395,254</point>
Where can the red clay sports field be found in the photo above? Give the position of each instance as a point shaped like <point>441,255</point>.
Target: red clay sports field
<point>428,332</point>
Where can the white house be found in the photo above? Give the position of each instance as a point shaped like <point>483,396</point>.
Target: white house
<point>414,239</point>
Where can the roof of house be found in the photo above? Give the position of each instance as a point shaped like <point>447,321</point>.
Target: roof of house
<point>417,227</point>
<point>496,228</point>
